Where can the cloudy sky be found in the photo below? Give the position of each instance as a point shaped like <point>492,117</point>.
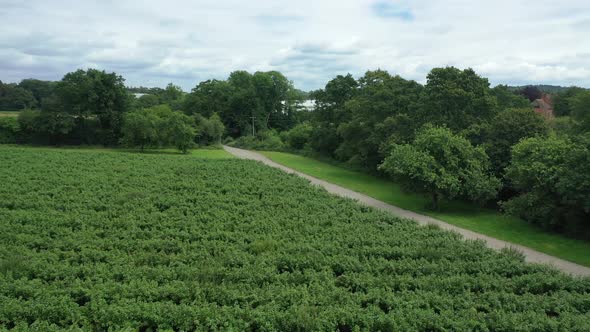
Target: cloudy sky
<point>152,42</point>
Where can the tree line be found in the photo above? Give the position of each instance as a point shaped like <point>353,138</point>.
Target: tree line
<point>93,107</point>
<point>454,137</point>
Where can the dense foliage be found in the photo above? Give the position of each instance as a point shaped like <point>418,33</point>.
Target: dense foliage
<point>114,241</point>
<point>14,97</point>
<point>94,107</point>
<point>158,126</point>
<point>246,102</point>
<point>553,176</point>
<point>442,165</point>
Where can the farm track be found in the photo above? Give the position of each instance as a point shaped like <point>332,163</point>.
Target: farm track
<point>531,255</point>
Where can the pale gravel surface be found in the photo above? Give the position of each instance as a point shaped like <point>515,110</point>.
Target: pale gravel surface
<point>530,254</point>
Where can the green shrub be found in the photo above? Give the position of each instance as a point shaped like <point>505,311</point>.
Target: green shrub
<point>209,130</point>
<point>268,140</point>
<point>299,136</point>
<point>9,130</point>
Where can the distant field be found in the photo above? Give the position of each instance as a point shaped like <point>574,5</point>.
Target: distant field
<point>485,221</point>
<point>8,114</point>
<point>108,241</point>
<point>200,153</point>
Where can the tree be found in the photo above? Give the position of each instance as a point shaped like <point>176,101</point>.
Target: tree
<point>39,89</point>
<point>140,129</point>
<point>244,104</point>
<point>329,112</point>
<point>273,91</point>
<point>505,130</point>
<point>580,110</point>
<point>298,137</point>
<point>553,177</point>
<point>9,130</point>
<point>209,97</point>
<point>562,101</point>
<point>147,101</point>
<point>53,121</point>
<point>531,92</point>
<point>457,99</point>
<point>94,93</point>
<point>158,126</point>
<point>442,164</point>
<point>13,97</point>
<point>178,131</point>
<point>209,131</point>
<point>378,97</point>
<point>507,98</point>
<point>173,96</point>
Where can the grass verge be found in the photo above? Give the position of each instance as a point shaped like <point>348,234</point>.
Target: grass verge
<point>8,114</point>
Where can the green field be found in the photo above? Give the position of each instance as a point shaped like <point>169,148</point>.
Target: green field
<point>101,240</point>
<point>200,153</point>
<point>8,114</point>
<point>484,221</point>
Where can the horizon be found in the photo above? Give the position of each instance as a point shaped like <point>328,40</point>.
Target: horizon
<point>184,42</point>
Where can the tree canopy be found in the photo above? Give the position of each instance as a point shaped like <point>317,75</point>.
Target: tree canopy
<point>553,178</point>
<point>442,164</point>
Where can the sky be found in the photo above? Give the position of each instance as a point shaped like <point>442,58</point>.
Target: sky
<point>152,43</point>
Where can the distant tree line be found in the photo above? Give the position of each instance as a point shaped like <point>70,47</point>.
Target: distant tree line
<point>94,107</point>
<point>454,137</point>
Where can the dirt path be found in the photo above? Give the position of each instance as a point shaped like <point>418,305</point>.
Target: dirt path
<point>530,254</point>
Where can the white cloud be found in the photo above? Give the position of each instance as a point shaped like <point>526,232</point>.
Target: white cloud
<point>183,41</point>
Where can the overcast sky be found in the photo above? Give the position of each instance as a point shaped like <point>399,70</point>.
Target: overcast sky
<point>152,43</point>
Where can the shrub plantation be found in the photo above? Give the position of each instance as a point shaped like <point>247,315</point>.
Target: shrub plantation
<point>108,241</point>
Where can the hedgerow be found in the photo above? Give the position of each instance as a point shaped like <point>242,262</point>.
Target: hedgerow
<point>124,242</point>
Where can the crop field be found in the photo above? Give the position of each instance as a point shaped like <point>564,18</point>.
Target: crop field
<point>464,215</point>
<point>96,240</point>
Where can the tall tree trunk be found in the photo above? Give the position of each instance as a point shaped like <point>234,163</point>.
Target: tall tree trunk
<point>435,201</point>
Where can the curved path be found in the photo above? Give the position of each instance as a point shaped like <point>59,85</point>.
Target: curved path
<point>530,254</point>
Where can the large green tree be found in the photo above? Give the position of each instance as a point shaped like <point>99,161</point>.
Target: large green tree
<point>147,101</point>
<point>39,89</point>
<point>443,165</point>
<point>15,98</point>
<point>247,103</point>
<point>329,112</point>
<point>580,110</point>
<point>173,96</point>
<point>53,121</point>
<point>158,126</point>
<point>95,93</point>
<point>209,97</point>
<point>178,131</point>
<point>457,98</point>
<point>562,102</point>
<point>379,97</point>
<point>552,175</point>
<point>209,130</point>
<point>140,129</point>
<point>506,129</point>
<point>507,98</point>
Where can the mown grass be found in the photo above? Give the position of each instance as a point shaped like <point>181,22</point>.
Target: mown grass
<point>8,114</point>
<point>481,220</point>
